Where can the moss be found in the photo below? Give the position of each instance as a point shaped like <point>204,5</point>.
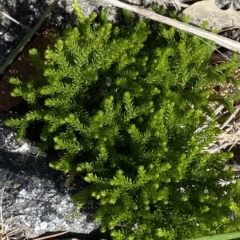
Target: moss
<point>122,105</point>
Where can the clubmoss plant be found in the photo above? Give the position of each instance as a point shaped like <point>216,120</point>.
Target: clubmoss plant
<point>122,104</point>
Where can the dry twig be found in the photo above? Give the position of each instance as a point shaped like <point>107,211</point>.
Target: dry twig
<point>220,40</point>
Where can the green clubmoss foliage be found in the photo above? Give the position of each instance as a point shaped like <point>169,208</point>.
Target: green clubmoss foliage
<point>122,105</point>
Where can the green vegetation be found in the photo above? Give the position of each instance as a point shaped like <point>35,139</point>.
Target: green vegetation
<point>123,107</point>
<point>226,236</point>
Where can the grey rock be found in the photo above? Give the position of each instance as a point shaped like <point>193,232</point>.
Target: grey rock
<point>28,12</point>
<point>34,198</point>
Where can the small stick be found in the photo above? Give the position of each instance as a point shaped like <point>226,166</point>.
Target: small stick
<point>9,17</point>
<point>51,236</point>
<point>220,40</point>
<point>27,38</point>
<point>237,109</point>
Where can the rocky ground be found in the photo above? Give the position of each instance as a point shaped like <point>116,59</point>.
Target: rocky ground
<point>35,199</point>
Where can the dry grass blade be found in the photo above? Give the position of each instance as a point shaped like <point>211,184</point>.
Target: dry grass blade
<point>220,40</point>
<point>230,135</point>
<point>14,20</point>
<point>237,109</point>
<point>27,38</point>
<point>51,236</point>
